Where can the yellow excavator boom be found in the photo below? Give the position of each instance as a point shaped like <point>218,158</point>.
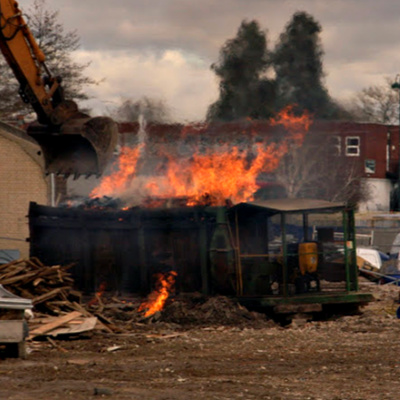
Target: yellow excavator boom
<point>71,141</point>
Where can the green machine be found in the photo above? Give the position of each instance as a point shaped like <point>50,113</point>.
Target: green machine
<point>287,255</point>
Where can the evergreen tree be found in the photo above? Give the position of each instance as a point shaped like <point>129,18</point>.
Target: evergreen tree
<point>244,90</point>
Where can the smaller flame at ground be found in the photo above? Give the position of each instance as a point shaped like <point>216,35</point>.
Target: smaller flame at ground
<point>99,293</point>
<point>156,299</point>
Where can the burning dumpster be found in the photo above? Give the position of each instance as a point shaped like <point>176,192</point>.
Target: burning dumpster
<point>285,255</point>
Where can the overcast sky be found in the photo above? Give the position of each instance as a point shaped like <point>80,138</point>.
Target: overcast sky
<point>163,49</point>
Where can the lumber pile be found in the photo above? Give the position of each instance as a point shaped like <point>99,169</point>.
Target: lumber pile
<point>49,287</point>
<point>57,306</point>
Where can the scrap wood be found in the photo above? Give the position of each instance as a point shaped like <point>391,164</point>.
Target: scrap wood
<point>37,281</point>
<point>97,300</point>
<point>11,263</point>
<point>41,330</point>
<point>25,293</point>
<point>36,261</point>
<point>48,295</point>
<point>32,280</point>
<point>107,322</point>
<point>33,262</point>
<point>74,327</point>
<point>56,323</point>
<point>12,271</point>
<point>81,309</point>
<point>56,345</point>
<point>114,348</point>
<point>86,313</point>
<point>170,336</point>
<point>52,270</point>
<point>17,278</point>
<point>70,324</point>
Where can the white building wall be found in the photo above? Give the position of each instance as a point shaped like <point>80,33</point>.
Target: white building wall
<point>379,199</point>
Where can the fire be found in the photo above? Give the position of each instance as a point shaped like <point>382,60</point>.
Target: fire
<point>297,125</point>
<point>99,293</point>
<point>222,175</point>
<point>156,299</point>
<point>124,172</point>
<point>210,176</point>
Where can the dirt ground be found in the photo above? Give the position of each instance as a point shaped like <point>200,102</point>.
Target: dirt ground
<point>234,355</point>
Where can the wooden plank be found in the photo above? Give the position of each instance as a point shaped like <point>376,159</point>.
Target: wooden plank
<point>45,272</point>
<point>15,279</point>
<point>13,271</point>
<point>88,314</point>
<point>37,281</point>
<point>55,324</point>
<point>34,265</point>
<point>11,263</point>
<point>36,261</point>
<point>48,295</point>
<point>84,325</point>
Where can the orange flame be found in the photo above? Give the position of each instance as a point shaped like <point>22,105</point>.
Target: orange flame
<point>216,174</point>
<point>124,172</point>
<point>99,293</point>
<point>156,299</point>
<point>296,124</point>
<point>220,175</point>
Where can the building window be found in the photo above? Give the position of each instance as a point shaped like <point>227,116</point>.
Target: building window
<point>370,166</point>
<point>352,146</point>
<point>335,143</point>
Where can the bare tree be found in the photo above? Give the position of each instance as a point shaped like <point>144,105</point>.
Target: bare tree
<point>376,104</point>
<point>297,170</point>
<point>58,46</point>
<point>315,170</point>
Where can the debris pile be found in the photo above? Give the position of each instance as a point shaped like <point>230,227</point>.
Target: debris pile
<point>49,287</point>
<point>185,310</point>
<point>57,306</point>
<point>218,310</point>
<point>59,310</point>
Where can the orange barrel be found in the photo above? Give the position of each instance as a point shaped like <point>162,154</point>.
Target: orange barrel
<point>308,257</point>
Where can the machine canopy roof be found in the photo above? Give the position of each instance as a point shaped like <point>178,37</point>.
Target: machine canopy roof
<point>276,206</point>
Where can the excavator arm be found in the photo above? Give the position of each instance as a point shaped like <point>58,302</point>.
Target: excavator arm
<point>71,141</point>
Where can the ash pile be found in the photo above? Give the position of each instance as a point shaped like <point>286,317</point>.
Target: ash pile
<point>184,311</point>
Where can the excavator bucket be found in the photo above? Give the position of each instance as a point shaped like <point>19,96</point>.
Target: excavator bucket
<point>80,146</point>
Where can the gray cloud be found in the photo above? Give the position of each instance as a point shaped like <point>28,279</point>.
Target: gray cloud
<point>361,39</point>
<point>356,28</point>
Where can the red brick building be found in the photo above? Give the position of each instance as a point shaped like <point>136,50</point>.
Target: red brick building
<point>373,147</point>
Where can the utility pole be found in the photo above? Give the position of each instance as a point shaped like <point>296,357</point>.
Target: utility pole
<point>396,86</point>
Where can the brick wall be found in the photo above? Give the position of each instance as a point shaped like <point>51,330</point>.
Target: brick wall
<point>21,181</point>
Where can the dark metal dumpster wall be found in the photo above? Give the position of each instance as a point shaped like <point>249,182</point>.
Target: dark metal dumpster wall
<point>123,249</point>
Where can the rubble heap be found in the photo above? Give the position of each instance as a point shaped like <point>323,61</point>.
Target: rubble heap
<point>49,287</point>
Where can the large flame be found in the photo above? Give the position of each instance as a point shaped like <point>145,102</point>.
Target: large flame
<point>156,299</point>
<point>212,176</point>
<point>217,176</point>
<point>124,172</point>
